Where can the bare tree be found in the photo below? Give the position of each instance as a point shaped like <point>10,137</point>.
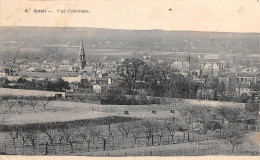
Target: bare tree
<point>11,102</point>
<point>105,136</point>
<point>148,129</point>
<point>136,130</point>
<point>235,134</point>
<point>45,101</point>
<point>159,131</point>
<point>86,133</point>
<point>51,134</point>
<point>124,129</point>
<point>171,128</point>
<point>32,136</point>
<point>21,101</point>
<point>2,100</point>
<point>96,132</point>
<point>14,136</point>
<point>60,136</point>
<point>70,136</point>
<point>32,101</point>
<point>23,136</point>
<point>188,117</point>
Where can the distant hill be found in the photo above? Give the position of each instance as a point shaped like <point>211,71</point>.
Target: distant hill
<point>152,40</point>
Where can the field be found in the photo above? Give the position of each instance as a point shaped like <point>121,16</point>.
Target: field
<point>72,128</point>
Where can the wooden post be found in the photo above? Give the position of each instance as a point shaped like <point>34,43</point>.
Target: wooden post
<point>46,148</point>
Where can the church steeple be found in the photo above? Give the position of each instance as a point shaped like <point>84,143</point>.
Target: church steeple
<point>82,56</point>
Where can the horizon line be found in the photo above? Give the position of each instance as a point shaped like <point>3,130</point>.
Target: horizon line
<point>164,30</point>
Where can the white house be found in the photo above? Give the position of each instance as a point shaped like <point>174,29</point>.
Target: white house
<point>97,88</point>
<point>2,74</point>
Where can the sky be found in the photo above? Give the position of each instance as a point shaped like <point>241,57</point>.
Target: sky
<point>188,15</point>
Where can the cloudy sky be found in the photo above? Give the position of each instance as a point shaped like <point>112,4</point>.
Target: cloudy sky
<point>195,15</point>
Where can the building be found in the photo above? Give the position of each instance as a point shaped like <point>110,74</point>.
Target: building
<point>246,78</point>
<point>97,88</point>
<point>180,64</point>
<point>2,74</point>
<point>209,56</point>
<point>242,88</point>
<point>82,57</point>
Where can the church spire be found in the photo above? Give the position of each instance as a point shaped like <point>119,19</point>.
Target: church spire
<point>81,49</point>
<point>82,58</point>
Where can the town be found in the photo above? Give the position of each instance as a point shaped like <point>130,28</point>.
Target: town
<point>101,92</point>
<point>211,76</point>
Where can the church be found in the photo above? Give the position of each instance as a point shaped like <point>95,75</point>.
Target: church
<point>81,63</point>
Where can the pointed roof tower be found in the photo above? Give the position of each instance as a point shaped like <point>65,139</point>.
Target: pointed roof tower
<point>81,49</point>
<point>82,56</point>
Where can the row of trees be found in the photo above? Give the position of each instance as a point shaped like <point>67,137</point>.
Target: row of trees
<point>46,85</point>
<point>91,134</point>
<point>21,101</point>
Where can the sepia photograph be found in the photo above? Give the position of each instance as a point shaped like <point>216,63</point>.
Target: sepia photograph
<point>157,82</point>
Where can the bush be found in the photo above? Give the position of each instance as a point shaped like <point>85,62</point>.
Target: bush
<point>252,107</point>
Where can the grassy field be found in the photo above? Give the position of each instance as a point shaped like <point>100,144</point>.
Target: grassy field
<point>108,117</point>
<point>58,111</point>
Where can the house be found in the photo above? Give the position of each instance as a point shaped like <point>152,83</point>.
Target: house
<point>252,69</point>
<point>242,88</point>
<point>106,81</point>
<point>72,78</point>
<point>180,64</point>
<point>2,74</point>
<point>199,80</point>
<point>208,56</point>
<point>246,78</point>
<point>65,68</point>
<point>97,88</point>
<point>74,87</point>
<point>13,78</point>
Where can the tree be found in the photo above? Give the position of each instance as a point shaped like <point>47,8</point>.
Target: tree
<point>232,114</point>
<point>70,136</point>
<point>188,115</point>
<point>124,129</point>
<point>45,101</point>
<point>51,134</point>
<point>11,101</point>
<point>171,127</point>
<point>60,135</point>
<point>148,129</point>
<point>21,101</point>
<point>159,131</point>
<point>234,134</point>
<point>114,96</point>
<point>86,134</point>
<point>85,83</point>
<point>252,107</point>
<point>32,101</point>
<point>105,136</point>
<point>136,130</point>
<point>222,90</point>
<point>255,91</point>
<point>2,100</point>
<point>32,136</point>
<point>14,136</point>
<point>244,98</point>
<point>132,71</point>
<point>23,135</point>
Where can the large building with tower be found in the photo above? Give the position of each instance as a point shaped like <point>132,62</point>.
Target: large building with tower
<point>82,57</point>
